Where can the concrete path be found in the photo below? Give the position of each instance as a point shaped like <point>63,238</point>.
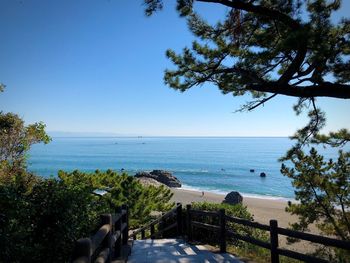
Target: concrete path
<point>173,251</point>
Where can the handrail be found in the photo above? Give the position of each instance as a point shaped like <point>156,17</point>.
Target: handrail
<point>107,242</point>
<point>204,213</point>
<point>160,232</point>
<point>100,235</point>
<point>327,241</point>
<point>168,214</point>
<point>272,228</point>
<point>114,229</point>
<point>246,222</point>
<point>295,234</point>
<point>173,212</point>
<point>249,239</point>
<point>300,256</point>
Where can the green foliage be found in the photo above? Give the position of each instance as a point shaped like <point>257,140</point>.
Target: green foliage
<point>334,139</point>
<point>263,46</point>
<point>15,141</point>
<point>41,218</point>
<point>122,189</point>
<point>41,221</point>
<point>322,189</point>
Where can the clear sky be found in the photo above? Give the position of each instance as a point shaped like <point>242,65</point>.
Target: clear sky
<point>97,66</point>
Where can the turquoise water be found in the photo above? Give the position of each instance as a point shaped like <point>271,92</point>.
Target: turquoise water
<point>213,164</point>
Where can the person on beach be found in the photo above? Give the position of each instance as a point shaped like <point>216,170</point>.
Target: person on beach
<point>202,193</point>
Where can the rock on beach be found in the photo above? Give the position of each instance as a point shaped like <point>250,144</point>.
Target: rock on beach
<point>233,198</point>
<point>161,176</point>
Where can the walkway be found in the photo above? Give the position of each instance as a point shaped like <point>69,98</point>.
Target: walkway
<point>174,251</point>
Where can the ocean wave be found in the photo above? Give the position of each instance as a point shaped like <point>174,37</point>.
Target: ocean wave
<point>190,171</point>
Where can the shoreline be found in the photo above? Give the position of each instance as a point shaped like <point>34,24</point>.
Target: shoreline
<point>247,195</point>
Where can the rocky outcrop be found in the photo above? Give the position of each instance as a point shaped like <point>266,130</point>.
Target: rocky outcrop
<point>146,181</point>
<point>233,198</point>
<point>161,176</point>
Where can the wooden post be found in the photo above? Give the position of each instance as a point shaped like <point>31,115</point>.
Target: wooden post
<point>125,220</point>
<point>83,250</point>
<point>161,226</point>
<point>118,241</point>
<point>274,241</point>
<point>152,231</point>
<point>189,225</point>
<point>222,217</point>
<point>106,219</point>
<point>179,219</point>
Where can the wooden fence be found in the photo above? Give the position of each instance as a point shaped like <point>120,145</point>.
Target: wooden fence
<point>157,227</point>
<point>224,232</point>
<point>113,233</point>
<point>107,243</point>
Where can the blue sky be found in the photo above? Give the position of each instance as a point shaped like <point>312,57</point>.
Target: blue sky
<point>97,66</point>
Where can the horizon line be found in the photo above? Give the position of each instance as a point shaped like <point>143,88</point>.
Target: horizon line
<point>173,136</point>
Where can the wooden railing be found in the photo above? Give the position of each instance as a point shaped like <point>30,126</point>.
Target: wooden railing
<point>225,232</point>
<point>106,244</point>
<point>157,227</point>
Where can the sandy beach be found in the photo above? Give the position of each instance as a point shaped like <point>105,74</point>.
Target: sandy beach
<point>262,209</point>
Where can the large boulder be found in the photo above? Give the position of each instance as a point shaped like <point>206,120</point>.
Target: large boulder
<point>161,176</point>
<point>233,198</point>
<point>142,174</point>
<point>147,181</point>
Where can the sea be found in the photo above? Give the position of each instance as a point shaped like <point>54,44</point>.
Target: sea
<point>215,164</point>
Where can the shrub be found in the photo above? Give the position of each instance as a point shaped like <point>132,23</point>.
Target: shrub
<point>41,218</point>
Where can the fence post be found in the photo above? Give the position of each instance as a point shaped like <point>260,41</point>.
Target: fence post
<point>222,230</point>
<point>274,241</point>
<point>189,225</point>
<point>152,231</point>
<point>161,226</point>
<point>125,220</point>
<point>83,250</point>
<point>106,219</point>
<point>118,227</point>
<point>179,219</point>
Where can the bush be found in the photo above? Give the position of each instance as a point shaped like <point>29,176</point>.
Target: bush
<point>121,189</point>
<point>41,224</point>
<point>41,218</point>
